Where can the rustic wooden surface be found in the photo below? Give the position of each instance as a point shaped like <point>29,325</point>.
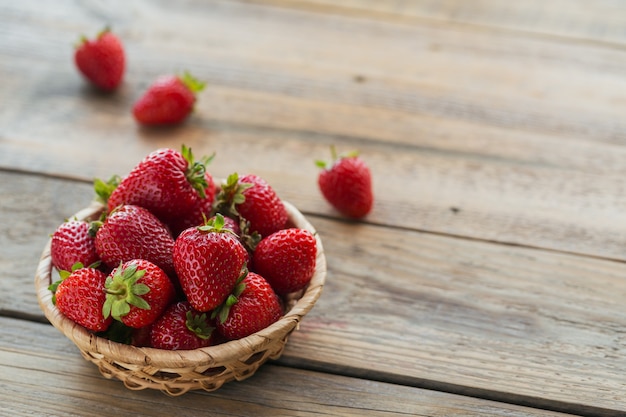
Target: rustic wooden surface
<point>490,278</point>
<point>77,389</point>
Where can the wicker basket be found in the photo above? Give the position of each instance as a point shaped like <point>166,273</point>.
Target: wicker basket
<point>176,372</point>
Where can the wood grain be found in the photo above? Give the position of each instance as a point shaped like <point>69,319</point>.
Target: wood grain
<point>602,21</point>
<point>513,324</point>
<point>469,132</point>
<point>33,356</point>
<point>493,263</point>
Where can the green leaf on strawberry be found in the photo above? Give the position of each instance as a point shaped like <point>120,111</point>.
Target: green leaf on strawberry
<point>335,157</point>
<point>193,84</point>
<point>123,291</point>
<point>196,170</point>
<point>104,189</point>
<point>63,274</point>
<point>197,323</point>
<point>231,195</point>
<point>222,311</point>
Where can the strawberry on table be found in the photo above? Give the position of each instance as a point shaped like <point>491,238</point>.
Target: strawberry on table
<point>286,259</point>
<point>208,260</point>
<point>250,197</point>
<point>72,243</point>
<point>181,327</point>
<point>101,60</point>
<point>80,297</point>
<point>132,232</point>
<point>253,306</point>
<point>169,100</point>
<point>137,293</point>
<point>346,183</point>
<point>171,184</point>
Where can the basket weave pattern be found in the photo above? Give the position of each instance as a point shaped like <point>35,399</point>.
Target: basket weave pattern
<point>176,372</point>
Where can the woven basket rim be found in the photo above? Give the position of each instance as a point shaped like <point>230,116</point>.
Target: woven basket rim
<point>170,359</point>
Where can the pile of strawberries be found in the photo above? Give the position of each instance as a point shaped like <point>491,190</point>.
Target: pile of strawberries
<point>175,262</point>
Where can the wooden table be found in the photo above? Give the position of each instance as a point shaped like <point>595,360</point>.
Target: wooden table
<point>490,278</point>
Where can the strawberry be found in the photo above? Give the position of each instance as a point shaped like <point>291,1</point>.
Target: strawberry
<point>347,184</point>
<point>208,260</point>
<point>132,232</point>
<point>71,242</point>
<point>169,100</point>
<point>286,259</point>
<point>197,216</point>
<point>101,60</point>
<point>137,293</point>
<point>181,328</point>
<point>251,198</point>
<point>80,297</point>
<point>170,184</point>
<point>252,307</point>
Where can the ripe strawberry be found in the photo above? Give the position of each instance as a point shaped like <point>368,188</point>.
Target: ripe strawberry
<point>101,60</point>
<point>208,260</point>
<point>71,243</point>
<point>286,259</point>
<point>347,184</point>
<point>252,307</point>
<point>169,100</point>
<point>168,183</point>
<point>181,328</point>
<point>137,293</point>
<point>132,232</point>
<point>196,217</point>
<point>253,199</point>
<point>80,297</point>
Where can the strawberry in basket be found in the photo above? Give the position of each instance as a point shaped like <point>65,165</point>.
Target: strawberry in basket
<point>208,260</point>
<point>172,185</point>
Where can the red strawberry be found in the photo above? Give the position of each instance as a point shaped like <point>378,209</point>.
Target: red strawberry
<point>137,293</point>
<point>181,328</point>
<point>132,232</point>
<point>71,243</point>
<point>198,214</point>
<point>286,259</point>
<point>347,184</point>
<point>169,100</point>
<point>101,60</point>
<point>168,183</point>
<point>252,307</point>
<point>80,297</point>
<point>208,260</point>
<point>253,199</point>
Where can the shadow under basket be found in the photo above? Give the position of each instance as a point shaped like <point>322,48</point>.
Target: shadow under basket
<point>176,372</point>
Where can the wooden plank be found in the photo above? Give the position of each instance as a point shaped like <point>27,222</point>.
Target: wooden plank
<point>432,310</point>
<point>603,20</point>
<point>35,355</point>
<point>502,150</point>
<point>543,328</point>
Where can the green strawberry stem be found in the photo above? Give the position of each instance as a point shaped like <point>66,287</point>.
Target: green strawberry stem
<point>196,170</point>
<point>197,323</point>
<point>215,224</point>
<point>221,312</point>
<point>63,274</point>
<point>103,189</point>
<point>123,291</point>
<point>335,157</point>
<point>193,84</point>
<point>230,196</point>
<point>106,29</point>
<point>249,240</point>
